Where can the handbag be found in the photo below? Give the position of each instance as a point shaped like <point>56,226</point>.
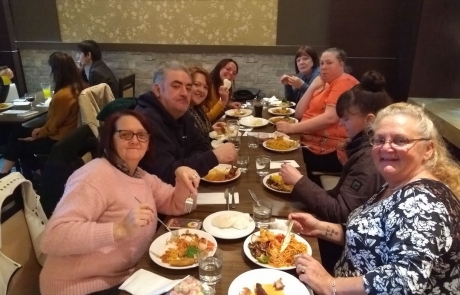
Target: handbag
<point>243,94</point>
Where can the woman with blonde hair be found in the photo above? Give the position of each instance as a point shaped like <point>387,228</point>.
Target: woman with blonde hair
<point>406,238</point>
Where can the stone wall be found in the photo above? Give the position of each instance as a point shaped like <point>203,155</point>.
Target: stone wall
<point>260,71</point>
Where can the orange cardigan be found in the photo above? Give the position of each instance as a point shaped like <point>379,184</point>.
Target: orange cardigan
<point>62,115</point>
<point>212,107</point>
<point>333,137</point>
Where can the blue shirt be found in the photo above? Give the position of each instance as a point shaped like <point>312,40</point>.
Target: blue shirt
<point>294,94</point>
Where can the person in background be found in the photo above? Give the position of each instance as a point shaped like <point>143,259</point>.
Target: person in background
<point>62,117</point>
<point>200,91</point>
<point>306,63</point>
<point>106,218</point>
<point>178,142</point>
<point>322,138</point>
<point>220,98</point>
<point>406,238</point>
<point>360,179</point>
<point>94,70</point>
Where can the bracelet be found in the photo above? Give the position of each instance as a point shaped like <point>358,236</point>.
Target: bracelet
<point>334,290</point>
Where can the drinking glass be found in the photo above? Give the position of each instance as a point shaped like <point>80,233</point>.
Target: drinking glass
<point>262,165</point>
<point>249,104</point>
<point>262,214</point>
<point>258,107</point>
<point>46,88</point>
<point>233,127</point>
<point>30,97</point>
<point>236,140</point>
<point>242,162</point>
<point>253,140</point>
<point>210,267</point>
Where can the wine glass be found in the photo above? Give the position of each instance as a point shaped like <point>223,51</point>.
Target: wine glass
<point>30,97</point>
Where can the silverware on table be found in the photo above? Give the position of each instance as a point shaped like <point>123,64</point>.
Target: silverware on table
<point>233,198</point>
<point>173,233</point>
<point>253,196</point>
<point>226,199</point>
<point>188,204</point>
<point>287,237</point>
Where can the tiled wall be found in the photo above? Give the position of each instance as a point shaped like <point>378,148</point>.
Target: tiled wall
<point>261,71</point>
<point>199,22</point>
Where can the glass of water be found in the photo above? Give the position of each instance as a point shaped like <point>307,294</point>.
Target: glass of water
<point>236,140</point>
<point>242,162</point>
<point>210,267</point>
<point>262,214</point>
<point>253,140</point>
<point>262,165</point>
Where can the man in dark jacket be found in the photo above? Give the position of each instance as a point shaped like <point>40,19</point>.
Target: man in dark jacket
<point>94,70</point>
<point>177,141</point>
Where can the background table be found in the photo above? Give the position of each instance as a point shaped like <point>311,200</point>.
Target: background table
<point>12,119</point>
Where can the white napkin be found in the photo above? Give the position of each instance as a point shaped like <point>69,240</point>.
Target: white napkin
<point>277,164</point>
<point>21,103</point>
<point>215,198</point>
<point>143,282</point>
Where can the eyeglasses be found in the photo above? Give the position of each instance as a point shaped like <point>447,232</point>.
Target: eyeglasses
<point>127,135</point>
<point>397,142</point>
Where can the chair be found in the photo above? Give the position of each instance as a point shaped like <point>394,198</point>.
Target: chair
<point>127,86</point>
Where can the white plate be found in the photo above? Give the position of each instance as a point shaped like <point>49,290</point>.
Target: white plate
<point>278,103</point>
<point>275,231</point>
<point>227,233</point>
<point>159,247</point>
<point>224,166</point>
<point>249,279</point>
<point>271,111</point>
<point>264,144</point>
<point>7,105</point>
<point>253,122</point>
<point>214,135</point>
<point>264,181</point>
<point>294,119</point>
<point>231,113</point>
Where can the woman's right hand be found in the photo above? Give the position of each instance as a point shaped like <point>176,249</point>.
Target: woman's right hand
<point>136,218</point>
<point>305,224</point>
<point>317,83</point>
<point>285,79</point>
<point>224,94</point>
<point>290,174</point>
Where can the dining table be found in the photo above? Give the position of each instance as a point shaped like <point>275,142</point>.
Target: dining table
<point>235,261</point>
<point>39,110</point>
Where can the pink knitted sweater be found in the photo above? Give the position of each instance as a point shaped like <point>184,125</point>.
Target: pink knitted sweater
<point>82,254</point>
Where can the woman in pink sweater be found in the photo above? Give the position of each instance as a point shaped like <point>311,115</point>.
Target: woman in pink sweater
<point>106,218</point>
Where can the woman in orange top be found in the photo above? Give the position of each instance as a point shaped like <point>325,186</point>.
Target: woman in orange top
<point>214,105</point>
<point>62,116</point>
<point>322,137</point>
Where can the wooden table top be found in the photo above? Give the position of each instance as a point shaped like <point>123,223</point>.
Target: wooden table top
<point>235,261</point>
<point>13,119</point>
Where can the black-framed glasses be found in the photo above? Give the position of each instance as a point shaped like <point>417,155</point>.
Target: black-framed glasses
<point>397,142</point>
<point>127,135</point>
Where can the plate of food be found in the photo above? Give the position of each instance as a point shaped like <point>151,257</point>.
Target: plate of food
<point>272,281</point>
<point>275,183</point>
<point>288,119</point>
<point>219,135</point>
<point>222,173</point>
<point>238,113</point>
<point>253,122</point>
<point>229,224</point>
<point>5,106</point>
<point>181,250</point>
<point>263,248</point>
<point>281,144</point>
<point>280,103</point>
<point>281,111</point>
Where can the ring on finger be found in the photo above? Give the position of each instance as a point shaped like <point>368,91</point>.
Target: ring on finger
<point>302,268</point>
<point>195,175</point>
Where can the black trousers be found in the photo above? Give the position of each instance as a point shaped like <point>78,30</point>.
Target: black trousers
<point>25,150</point>
<point>320,163</point>
<point>111,291</point>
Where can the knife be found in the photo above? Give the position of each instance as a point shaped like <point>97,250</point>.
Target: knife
<point>233,198</point>
<point>226,199</point>
<point>253,196</point>
<point>287,237</point>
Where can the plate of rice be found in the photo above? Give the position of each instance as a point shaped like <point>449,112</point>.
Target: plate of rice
<point>280,144</point>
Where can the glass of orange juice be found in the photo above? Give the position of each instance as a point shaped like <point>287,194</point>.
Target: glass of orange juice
<point>46,87</point>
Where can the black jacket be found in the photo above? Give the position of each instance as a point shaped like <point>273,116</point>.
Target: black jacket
<point>176,142</point>
<point>101,73</point>
<point>358,182</point>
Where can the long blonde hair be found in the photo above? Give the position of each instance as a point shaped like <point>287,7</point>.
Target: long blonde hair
<point>441,164</point>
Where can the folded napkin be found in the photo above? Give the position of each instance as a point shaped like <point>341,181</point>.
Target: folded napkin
<point>215,198</point>
<point>143,282</point>
<point>21,103</point>
<point>277,164</point>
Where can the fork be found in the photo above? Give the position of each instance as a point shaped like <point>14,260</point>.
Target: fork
<point>174,233</point>
<point>188,204</point>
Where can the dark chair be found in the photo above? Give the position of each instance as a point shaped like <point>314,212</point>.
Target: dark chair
<point>127,86</point>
